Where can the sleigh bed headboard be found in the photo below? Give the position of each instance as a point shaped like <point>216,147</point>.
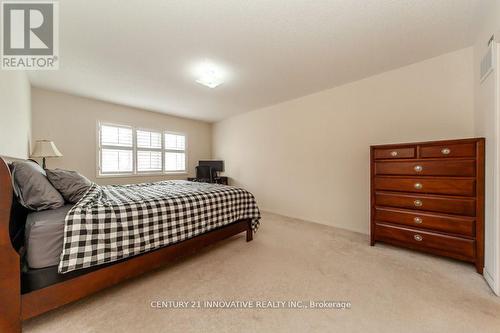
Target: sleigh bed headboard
<point>10,273</point>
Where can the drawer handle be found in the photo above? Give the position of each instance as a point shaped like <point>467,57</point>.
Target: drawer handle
<point>445,151</point>
<point>417,203</point>
<point>418,238</point>
<point>418,186</point>
<point>394,153</point>
<point>418,168</point>
<point>417,220</point>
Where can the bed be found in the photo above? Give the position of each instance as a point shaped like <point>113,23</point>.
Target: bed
<point>56,256</point>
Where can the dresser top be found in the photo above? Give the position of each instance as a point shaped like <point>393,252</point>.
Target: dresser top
<point>430,143</point>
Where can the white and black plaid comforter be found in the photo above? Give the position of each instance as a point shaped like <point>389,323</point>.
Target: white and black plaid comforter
<point>119,221</point>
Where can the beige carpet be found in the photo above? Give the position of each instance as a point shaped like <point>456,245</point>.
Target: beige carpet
<point>391,290</point>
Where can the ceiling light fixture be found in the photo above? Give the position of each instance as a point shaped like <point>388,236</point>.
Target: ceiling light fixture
<point>209,75</point>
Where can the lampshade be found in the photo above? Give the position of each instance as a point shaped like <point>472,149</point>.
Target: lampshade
<point>45,148</point>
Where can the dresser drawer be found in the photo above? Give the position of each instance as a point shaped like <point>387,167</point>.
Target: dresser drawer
<point>450,186</point>
<point>454,150</point>
<point>439,222</point>
<point>433,203</point>
<point>381,153</point>
<point>417,239</point>
<point>460,168</point>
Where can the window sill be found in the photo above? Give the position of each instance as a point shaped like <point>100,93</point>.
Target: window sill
<point>132,175</point>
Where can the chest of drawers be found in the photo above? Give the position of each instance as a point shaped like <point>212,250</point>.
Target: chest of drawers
<point>429,196</point>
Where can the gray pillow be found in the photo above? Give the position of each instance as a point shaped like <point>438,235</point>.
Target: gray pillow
<point>71,184</point>
<point>33,188</point>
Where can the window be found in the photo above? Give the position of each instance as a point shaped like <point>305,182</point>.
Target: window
<point>116,149</point>
<point>175,152</point>
<point>148,151</point>
<point>124,150</point>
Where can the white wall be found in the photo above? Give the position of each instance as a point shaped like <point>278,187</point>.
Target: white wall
<point>71,122</point>
<point>309,158</point>
<point>487,118</point>
<point>15,114</point>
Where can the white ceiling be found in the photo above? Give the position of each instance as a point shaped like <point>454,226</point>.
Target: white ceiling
<point>140,53</point>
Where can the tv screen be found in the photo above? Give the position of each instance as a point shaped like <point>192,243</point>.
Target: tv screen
<point>214,164</point>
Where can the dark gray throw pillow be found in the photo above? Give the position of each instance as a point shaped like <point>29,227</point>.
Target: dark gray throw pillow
<point>71,184</point>
<point>33,188</point>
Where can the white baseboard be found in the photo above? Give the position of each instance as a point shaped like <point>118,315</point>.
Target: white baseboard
<point>305,219</point>
<point>491,282</point>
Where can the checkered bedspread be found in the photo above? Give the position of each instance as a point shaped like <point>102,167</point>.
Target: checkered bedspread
<point>119,221</point>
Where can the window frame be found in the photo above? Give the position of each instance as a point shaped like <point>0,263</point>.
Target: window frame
<point>135,172</point>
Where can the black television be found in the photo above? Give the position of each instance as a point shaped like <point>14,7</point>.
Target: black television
<point>217,166</point>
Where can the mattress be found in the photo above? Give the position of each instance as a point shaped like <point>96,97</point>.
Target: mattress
<point>44,237</point>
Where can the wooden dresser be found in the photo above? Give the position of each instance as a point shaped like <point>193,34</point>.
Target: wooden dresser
<point>429,196</point>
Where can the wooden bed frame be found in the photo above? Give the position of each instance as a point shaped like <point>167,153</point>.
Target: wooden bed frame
<point>16,307</point>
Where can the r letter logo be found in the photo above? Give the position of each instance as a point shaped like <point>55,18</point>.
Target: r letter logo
<point>30,35</point>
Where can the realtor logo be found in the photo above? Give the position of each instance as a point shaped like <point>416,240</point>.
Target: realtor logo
<point>30,35</point>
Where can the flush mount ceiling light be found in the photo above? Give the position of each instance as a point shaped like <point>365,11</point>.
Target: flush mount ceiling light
<point>209,75</point>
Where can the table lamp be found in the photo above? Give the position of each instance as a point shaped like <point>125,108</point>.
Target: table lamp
<point>44,149</point>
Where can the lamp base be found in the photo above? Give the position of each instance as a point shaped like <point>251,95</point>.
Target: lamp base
<point>43,163</point>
